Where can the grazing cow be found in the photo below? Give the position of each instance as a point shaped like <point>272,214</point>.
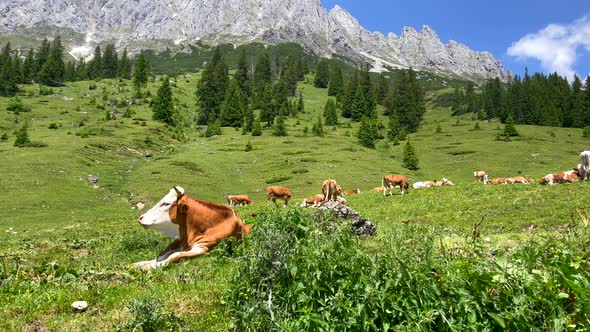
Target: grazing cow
<point>197,226</point>
<point>584,166</point>
<point>377,189</point>
<point>561,177</point>
<point>392,181</point>
<point>352,192</point>
<point>234,200</point>
<point>316,200</point>
<point>275,192</point>
<point>331,190</point>
<point>481,176</point>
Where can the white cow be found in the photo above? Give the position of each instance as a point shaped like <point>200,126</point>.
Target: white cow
<point>584,166</point>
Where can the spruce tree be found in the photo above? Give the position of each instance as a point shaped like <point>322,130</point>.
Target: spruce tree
<point>289,75</point>
<point>382,90</point>
<point>8,76</point>
<point>457,105</point>
<point>368,133</point>
<point>322,74</point>
<point>367,91</point>
<point>95,65</point>
<point>348,97</point>
<point>471,99</point>
<point>124,66</point>
<point>280,128</point>
<point>212,87</point>
<point>359,105</point>
<point>394,127</point>
<point>267,106</point>
<point>281,96</point>
<point>331,113</point>
<point>233,108</point>
<point>22,135</point>
<point>262,77</point>
<point>257,128</point>
<point>110,61</point>
<point>41,57</point>
<point>214,128</point>
<point>409,159</point>
<point>336,85</point>
<point>140,73</point>
<point>509,127</point>
<point>29,67</point>
<point>53,72</point>
<point>318,128</point>
<point>163,104</point>
<point>248,119</point>
<point>242,75</point>
<point>409,101</point>
<point>300,105</point>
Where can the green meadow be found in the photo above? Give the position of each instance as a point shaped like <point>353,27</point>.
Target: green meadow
<point>65,239</point>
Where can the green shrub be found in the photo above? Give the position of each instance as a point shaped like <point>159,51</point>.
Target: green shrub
<point>149,316</point>
<point>4,137</point>
<point>586,132</point>
<point>278,179</point>
<point>16,105</point>
<point>45,91</point>
<point>294,274</point>
<point>213,129</point>
<point>53,125</point>
<point>248,146</point>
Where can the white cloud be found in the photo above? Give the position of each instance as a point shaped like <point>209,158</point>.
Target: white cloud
<point>556,46</point>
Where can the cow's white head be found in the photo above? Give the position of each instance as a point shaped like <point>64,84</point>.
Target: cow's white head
<point>160,217</point>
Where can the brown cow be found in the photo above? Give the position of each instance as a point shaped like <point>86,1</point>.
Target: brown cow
<point>331,190</point>
<point>481,176</point>
<point>197,226</point>
<point>561,177</point>
<point>522,179</point>
<point>275,192</point>
<point>316,200</point>
<point>377,189</point>
<point>501,181</point>
<point>392,181</point>
<point>234,200</point>
<point>352,192</point>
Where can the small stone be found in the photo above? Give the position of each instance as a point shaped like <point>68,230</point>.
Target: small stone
<point>80,306</point>
<point>140,205</point>
<point>93,179</point>
<point>149,155</point>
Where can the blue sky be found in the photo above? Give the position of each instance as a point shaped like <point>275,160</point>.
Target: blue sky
<point>548,35</point>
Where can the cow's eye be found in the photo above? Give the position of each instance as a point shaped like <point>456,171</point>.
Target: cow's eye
<point>165,204</point>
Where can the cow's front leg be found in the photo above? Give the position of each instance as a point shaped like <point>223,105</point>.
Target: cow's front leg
<point>203,244</point>
<point>172,248</point>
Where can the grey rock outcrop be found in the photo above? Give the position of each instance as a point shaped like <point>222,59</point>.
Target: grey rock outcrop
<point>184,22</point>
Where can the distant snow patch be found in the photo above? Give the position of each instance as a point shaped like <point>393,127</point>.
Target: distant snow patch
<point>379,64</point>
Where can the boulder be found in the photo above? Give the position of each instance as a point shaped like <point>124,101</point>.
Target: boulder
<point>80,306</point>
<point>360,225</point>
<point>92,179</point>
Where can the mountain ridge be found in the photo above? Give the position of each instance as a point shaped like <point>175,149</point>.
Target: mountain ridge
<point>186,22</point>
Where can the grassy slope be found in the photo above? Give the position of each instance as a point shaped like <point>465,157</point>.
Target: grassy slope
<point>65,240</point>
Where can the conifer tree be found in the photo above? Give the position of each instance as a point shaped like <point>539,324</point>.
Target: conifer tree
<point>140,73</point>
<point>81,70</point>
<point>22,136</point>
<point>212,88</point>
<point>348,98</point>
<point>281,96</point>
<point>409,159</point>
<point>29,67</point>
<point>71,72</point>
<point>267,106</point>
<point>471,99</point>
<point>257,128</point>
<point>53,72</point>
<point>409,101</point>
<point>382,90</point>
<point>95,65</point>
<point>318,128</point>
<point>509,127</point>
<point>336,85</point>
<point>280,128</point>
<point>163,104</point>
<point>242,75</point>
<point>110,61</point>
<point>300,105</point>
<point>368,133</point>
<point>8,80</point>
<point>289,76</point>
<point>302,69</point>
<point>41,57</point>
<point>394,127</point>
<point>458,98</point>
<point>124,66</point>
<point>359,105</point>
<point>367,91</point>
<point>262,75</point>
<point>322,74</point>
<point>213,128</point>
<point>331,113</point>
<point>248,119</point>
<point>233,108</point>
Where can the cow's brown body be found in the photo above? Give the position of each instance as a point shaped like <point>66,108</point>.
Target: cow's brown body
<point>201,226</point>
<point>352,192</point>
<point>275,192</point>
<point>234,200</point>
<point>316,200</point>
<point>331,190</point>
<point>561,177</point>
<point>501,181</point>
<point>377,189</point>
<point>392,181</point>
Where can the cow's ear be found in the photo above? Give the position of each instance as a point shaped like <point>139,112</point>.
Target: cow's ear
<point>179,191</point>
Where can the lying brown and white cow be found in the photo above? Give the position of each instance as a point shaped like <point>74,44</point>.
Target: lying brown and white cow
<point>275,192</point>
<point>316,200</point>
<point>501,181</point>
<point>481,176</point>
<point>522,179</point>
<point>234,200</point>
<point>561,177</point>
<point>331,190</point>
<point>197,226</point>
<point>392,181</point>
<point>377,189</point>
<point>434,183</point>
<point>352,192</point>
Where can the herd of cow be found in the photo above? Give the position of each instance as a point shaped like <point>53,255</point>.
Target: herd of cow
<point>197,226</point>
